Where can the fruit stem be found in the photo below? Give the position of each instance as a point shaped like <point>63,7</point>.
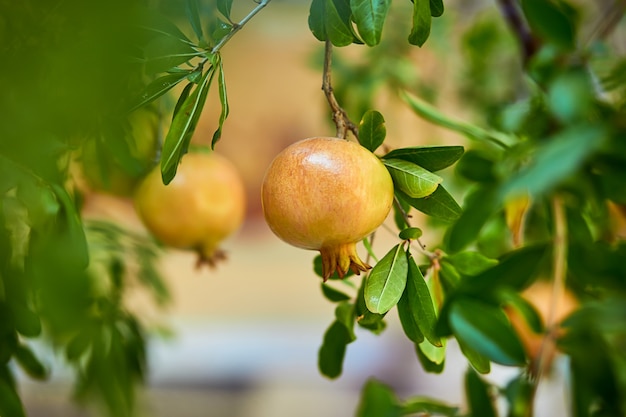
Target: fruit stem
<point>340,117</point>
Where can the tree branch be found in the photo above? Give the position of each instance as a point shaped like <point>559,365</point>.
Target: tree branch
<point>512,14</point>
<point>340,117</point>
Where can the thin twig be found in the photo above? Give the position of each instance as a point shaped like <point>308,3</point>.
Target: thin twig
<point>238,26</point>
<point>512,14</point>
<point>340,117</point>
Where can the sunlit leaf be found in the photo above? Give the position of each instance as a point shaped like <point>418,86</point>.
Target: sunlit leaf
<point>485,328</point>
<point>412,179</point>
<point>440,204</point>
<point>385,283</point>
<point>432,158</point>
<point>410,233</point>
<point>420,30</point>
<point>182,128</point>
<point>372,130</point>
<point>431,357</point>
<point>369,17</point>
<point>378,400</point>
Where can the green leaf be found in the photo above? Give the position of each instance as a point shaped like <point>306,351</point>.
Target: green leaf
<point>431,158</point>
<point>333,350</point>
<point>421,22</point>
<point>366,319</point>
<point>407,320</point>
<point>372,130</point>
<point>478,397</point>
<point>551,22</point>
<point>221,82</point>
<point>485,328</point>
<point>436,8</point>
<point>479,362</point>
<point>385,283</point>
<point>519,393</point>
<point>440,204</point>
<point>368,247</point>
<point>30,363</point>
<point>477,166</point>
<point>225,7</point>
<point>412,179</point>
<point>560,157</point>
<point>333,294</point>
<point>10,402</point>
<point>378,400</point>
<point>470,262</point>
<point>164,53</point>
<point>193,14</point>
<point>331,19</point>
<point>27,322</point>
<point>410,233</point>
<point>369,17</point>
<point>71,244</point>
<point>182,128</point>
<point>523,307</point>
<point>428,406</point>
<point>431,357</point>
<point>344,313</point>
<point>158,87</point>
<point>421,302</point>
<point>480,206</point>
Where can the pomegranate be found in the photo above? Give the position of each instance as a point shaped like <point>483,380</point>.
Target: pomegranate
<point>327,194</point>
<point>204,204</point>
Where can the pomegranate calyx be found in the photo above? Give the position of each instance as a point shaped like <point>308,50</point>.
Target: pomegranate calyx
<point>341,258</point>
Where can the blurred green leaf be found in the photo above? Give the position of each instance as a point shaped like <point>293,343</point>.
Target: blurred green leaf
<point>10,402</point>
<point>421,22</point>
<point>436,8</point>
<point>27,322</point>
<point>333,294</point>
<point>431,357</point>
<point>477,166</point>
<point>485,328</point>
<point>386,281</point>
<point>182,128</point>
<point>470,262</point>
<point>428,406</point>
<point>193,15</point>
<point>519,393</point>
<point>523,307</point>
<point>421,302</point>
<point>333,350</point>
<point>344,313</point>
<point>440,204</point>
<point>223,102</point>
<point>479,207</point>
<point>167,52</point>
<point>158,87</point>
<point>412,179</point>
<point>369,17</point>
<point>372,130</point>
<point>478,396</point>
<point>378,400</point>
<point>30,363</point>
<point>225,7</point>
<point>571,95</point>
<point>431,158</point>
<point>551,20</point>
<point>479,362</point>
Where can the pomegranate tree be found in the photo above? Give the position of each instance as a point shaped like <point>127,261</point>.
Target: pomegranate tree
<point>327,194</point>
<point>198,209</point>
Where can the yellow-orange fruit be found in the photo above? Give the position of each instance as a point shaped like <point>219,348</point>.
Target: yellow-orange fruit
<point>327,194</point>
<point>198,209</point>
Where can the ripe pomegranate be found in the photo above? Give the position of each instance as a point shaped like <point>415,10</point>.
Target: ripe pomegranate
<point>327,194</point>
<point>204,204</point>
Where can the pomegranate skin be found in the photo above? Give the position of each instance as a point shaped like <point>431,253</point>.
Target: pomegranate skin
<point>327,194</point>
<point>198,209</point>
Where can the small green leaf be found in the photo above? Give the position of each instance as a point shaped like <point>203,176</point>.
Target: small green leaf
<point>331,19</point>
<point>431,158</point>
<point>333,350</point>
<point>30,363</point>
<point>223,102</point>
<point>421,22</point>
<point>385,283</point>
<point>193,14</point>
<point>372,130</point>
<point>421,302</point>
<point>344,313</point>
<point>428,406</point>
<point>366,319</point>
<point>431,357</point>
<point>479,362</point>
<point>164,53</point>
<point>550,21</point>
<point>407,320</point>
<point>158,87</point>
<point>485,328</point>
<point>378,400</point>
<point>436,8</point>
<point>225,7</point>
<point>440,204</point>
<point>477,166</point>
<point>412,179</point>
<point>410,233</point>
<point>333,294</point>
<point>478,396</point>
<point>368,247</point>
<point>369,17</point>
<point>470,262</point>
<point>182,128</point>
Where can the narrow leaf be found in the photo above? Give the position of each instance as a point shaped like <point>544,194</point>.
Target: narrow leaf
<point>421,302</point>
<point>412,179</point>
<point>421,22</point>
<point>30,363</point>
<point>432,158</point>
<point>159,87</point>
<point>225,7</point>
<point>372,130</point>
<point>369,17</point>
<point>183,125</point>
<point>385,283</point>
<point>440,204</point>
<point>181,99</point>
<point>223,102</point>
<point>166,52</point>
<point>485,328</point>
<point>193,14</point>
